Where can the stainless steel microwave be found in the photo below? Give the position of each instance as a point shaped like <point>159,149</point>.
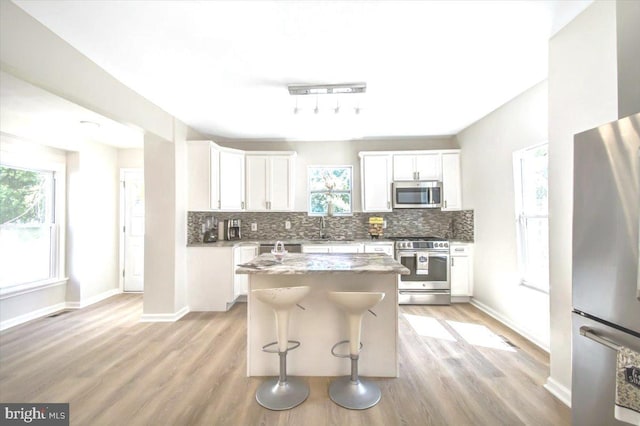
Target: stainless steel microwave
<point>418,194</point>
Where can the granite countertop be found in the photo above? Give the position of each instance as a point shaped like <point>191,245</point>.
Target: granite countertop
<point>225,243</point>
<point>306,263</point>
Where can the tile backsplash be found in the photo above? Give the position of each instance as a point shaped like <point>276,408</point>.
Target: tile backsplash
<point>455,225</point>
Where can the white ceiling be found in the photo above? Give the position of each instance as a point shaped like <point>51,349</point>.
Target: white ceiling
<point>34,114</point>
<point>222,67</point>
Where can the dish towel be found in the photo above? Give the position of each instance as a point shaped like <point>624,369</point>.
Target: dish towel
<point>627,407</point>
<point>422,263</point>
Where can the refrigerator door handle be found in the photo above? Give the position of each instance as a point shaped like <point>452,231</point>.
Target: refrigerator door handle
<point>590,334</point>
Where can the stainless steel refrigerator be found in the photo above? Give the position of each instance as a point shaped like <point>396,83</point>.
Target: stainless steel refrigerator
<point>606,278</point>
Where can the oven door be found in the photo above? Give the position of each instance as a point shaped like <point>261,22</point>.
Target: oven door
<point>436,277</point>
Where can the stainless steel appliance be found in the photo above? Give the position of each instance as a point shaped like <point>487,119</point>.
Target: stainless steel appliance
<point>427,259</point>
<point>290,248</point>
<point>210,230</point>
<point>606,279</point>
<point>232,229</point>
<point>417,194</point>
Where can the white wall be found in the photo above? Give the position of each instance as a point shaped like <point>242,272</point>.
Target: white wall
<point>488,188</point>
<point>582,95</point>
<point>31,52</point>
<point>337,153</point>
<point>131,158</point>
<point>628,43</point>
<point>92,223</point>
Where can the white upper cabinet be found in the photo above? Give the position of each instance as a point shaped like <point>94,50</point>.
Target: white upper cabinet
<point>215,177</point>
<point>202,178</point>
<point>376,182</point>
<point>231,180</point>
<point>257,183</point>
<point>404,167</point>
<point>452,197</point>
<point>214,182</point>
<point>417,166</point>
<point>270,183</point>
<point>428,167</point>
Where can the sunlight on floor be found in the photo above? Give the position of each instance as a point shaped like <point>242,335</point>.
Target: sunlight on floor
<point>480,335</point>
<point>474,334</point>
<point>429,327</point>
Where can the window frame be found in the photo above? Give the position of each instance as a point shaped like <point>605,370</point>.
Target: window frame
<point>522,217</point>
<point>349,192</point>
<point>20,154</point>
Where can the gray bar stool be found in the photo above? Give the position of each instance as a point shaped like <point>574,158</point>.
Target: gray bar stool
<point>282,393</point>
<point>350,391</point>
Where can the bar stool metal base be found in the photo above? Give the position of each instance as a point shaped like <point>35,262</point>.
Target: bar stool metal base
<point>276,395</point>
<point>355,395</point>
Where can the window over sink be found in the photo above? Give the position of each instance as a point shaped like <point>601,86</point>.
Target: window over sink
<point>329,189</point>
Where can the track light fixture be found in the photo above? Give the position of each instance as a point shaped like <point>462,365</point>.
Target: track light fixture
<point>336,90</point>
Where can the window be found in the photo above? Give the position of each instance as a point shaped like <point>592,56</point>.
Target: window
<point>28,232</point>
<point>532,215</point>
<point>329,190</point>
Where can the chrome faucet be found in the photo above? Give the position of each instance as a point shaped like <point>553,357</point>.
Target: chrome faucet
<point>322,227</point>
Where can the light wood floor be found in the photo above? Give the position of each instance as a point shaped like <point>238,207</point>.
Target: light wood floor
<point>114,370</point>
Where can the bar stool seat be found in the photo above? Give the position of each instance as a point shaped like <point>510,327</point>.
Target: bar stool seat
<point>282,393</point>
<point>350,391</point>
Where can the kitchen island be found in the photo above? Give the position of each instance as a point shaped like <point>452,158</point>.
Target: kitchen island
<point>321,324</point>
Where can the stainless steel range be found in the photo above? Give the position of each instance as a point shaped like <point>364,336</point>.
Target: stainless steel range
<point>427,258</point>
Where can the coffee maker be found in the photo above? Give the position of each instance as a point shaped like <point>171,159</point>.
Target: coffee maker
<point>210,230</point>
<point>232,229</point>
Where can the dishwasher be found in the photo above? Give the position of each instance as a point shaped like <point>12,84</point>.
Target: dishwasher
<point>291,248</point>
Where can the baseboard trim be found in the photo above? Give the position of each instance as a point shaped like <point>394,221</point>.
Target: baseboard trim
<point>559,391</point>
<point>506,321</point>
<point>165,317</point>
<point>21,319</point>
<point>95,299</point>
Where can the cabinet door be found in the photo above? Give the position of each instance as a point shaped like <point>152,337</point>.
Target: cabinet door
<point>231,180</point>
<point>257,182</point>
<point>214,178</point>
<point>451,199</point>
<point>427,167</point>
<point>281,182</point>
<point>460,270</point>
<point>404,167</point>
<point>198,176</point>
<point>242,254</point>
<point>376,183</point>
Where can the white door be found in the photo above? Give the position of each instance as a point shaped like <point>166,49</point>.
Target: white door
<point>376,183</point>
<point>257,167</point>
<point>231,181</point>
<point>133,229</point>
<point>460,276</point>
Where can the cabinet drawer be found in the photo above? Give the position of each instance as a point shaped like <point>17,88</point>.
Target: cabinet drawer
<point>460,249</point>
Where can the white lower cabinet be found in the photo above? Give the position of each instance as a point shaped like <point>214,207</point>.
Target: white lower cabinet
<point>242,254</point>
<point>385,248</point>
<point>212,284</point>
<point>461,258</point>
<point>332,248</point>
<point>210,278</point>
